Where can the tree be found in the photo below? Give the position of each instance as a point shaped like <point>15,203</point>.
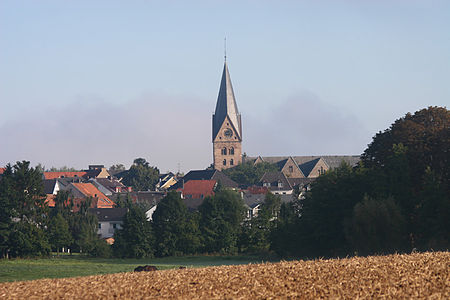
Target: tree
<point>21,194</point>
<point>117,168</point>
<point>249,173</point>
<point>220,221</point>
<point>171,226</point>
<point>426,136</point>
<point>376,227</point>
<point>255,235</point>
<point>58,232</point>
<point>135,239</point>
<point>141,176</point>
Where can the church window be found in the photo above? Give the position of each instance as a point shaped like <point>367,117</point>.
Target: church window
<point>224,162</point>
<point>231,162</point>
<point>291,169</point>
<point>224,151</point>
<point>231,151</point>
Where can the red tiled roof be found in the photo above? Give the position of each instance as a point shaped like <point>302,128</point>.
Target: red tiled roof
<point>53,175</point>
<point>258,189</point>
<point>2,170</point>
<point>89,190</point>
<point>198,189</point>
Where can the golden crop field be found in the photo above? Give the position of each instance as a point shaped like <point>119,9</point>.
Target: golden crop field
<point>421,275</point>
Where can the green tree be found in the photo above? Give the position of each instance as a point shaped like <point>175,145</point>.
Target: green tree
<point>220,221</point>
<point>141,176</point>
<point>117,168</point>
<point>135,239</point>
<point>170,224</point>
<point>376,227</point>
<point>433,216</point>
<point>249,173</point>
<point>255,236</point>
<point>24,213</point>
<point>58,232</point>
<point>426,136</point>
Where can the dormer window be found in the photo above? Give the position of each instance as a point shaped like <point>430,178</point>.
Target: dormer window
<point>280,184</point>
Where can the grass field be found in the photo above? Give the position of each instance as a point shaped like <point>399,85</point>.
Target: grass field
<point>71,266</point>
<point>414,276</point>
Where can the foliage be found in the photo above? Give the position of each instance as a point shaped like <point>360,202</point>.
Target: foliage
<point>63,169</point>
<point>249,173</point>
<point>135,239</point>
<point>175,232</point>
<point>221,217</point>
<point>377,226</point>
<point>255,236</point>
<point>117,168</point>
<point>426,136</point>
<point>141,176</point>
<point>23,211</point>
<point>58,232</point>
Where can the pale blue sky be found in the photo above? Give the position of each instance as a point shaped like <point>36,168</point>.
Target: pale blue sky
<point>108,81</point>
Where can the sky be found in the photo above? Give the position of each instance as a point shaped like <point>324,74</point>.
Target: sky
<point>105,82</point>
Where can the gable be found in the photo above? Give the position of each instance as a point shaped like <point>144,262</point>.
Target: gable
<point>319,168</point>
<point>291,169</point>
<point>221,133</point>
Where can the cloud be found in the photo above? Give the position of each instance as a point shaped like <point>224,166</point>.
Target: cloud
<point>165,130</point>
<point>304,125</point>
<point>172,130</point>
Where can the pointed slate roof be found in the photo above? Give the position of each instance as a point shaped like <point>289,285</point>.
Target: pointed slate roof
<point>226,105</point>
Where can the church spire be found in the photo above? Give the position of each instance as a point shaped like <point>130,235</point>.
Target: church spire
<point>226,105</point>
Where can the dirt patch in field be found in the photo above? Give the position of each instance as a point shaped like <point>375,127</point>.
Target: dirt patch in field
<point>424,275</point>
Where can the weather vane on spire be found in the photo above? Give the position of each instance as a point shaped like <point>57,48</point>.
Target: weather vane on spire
<point>225,48</point>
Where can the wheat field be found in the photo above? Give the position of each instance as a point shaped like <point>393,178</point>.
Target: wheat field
<point>414,276</point>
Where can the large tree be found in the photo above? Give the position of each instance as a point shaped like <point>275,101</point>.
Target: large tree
<point>25,211</point>
<point>135,239</point>
<point>141,176</point>
<point>175,231</point>
<point>426,137</point>
<point>220,221</point>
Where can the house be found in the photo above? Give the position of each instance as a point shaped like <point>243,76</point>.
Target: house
<point>109,185</point>
<point>80,191</point>
<point>276,182</point>
<point>195,191</point>
<point>254,198</point>
<point>2,170</point>
<point>109,220</point>
<point>166,181</point>
<point>208,174</point>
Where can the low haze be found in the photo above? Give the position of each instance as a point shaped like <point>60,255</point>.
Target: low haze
<point>105,82</point>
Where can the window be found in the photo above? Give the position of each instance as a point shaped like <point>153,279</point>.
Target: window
<point>280,184</point>
<point>291,169</point>
<point>224,151</point>
<point>231,151</point>
<point>231,162</point>
<point>99,225</point>
<point>224,162</point>
<point>114,225</point>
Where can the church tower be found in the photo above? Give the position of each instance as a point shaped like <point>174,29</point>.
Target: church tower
<point>226,126</point>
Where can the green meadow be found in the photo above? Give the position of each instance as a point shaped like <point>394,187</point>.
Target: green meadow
<point>75,265</point>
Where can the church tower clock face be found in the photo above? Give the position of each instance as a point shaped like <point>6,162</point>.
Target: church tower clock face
<point>228,133</point>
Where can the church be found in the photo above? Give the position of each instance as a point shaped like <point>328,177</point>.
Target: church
<point>227,141</point>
